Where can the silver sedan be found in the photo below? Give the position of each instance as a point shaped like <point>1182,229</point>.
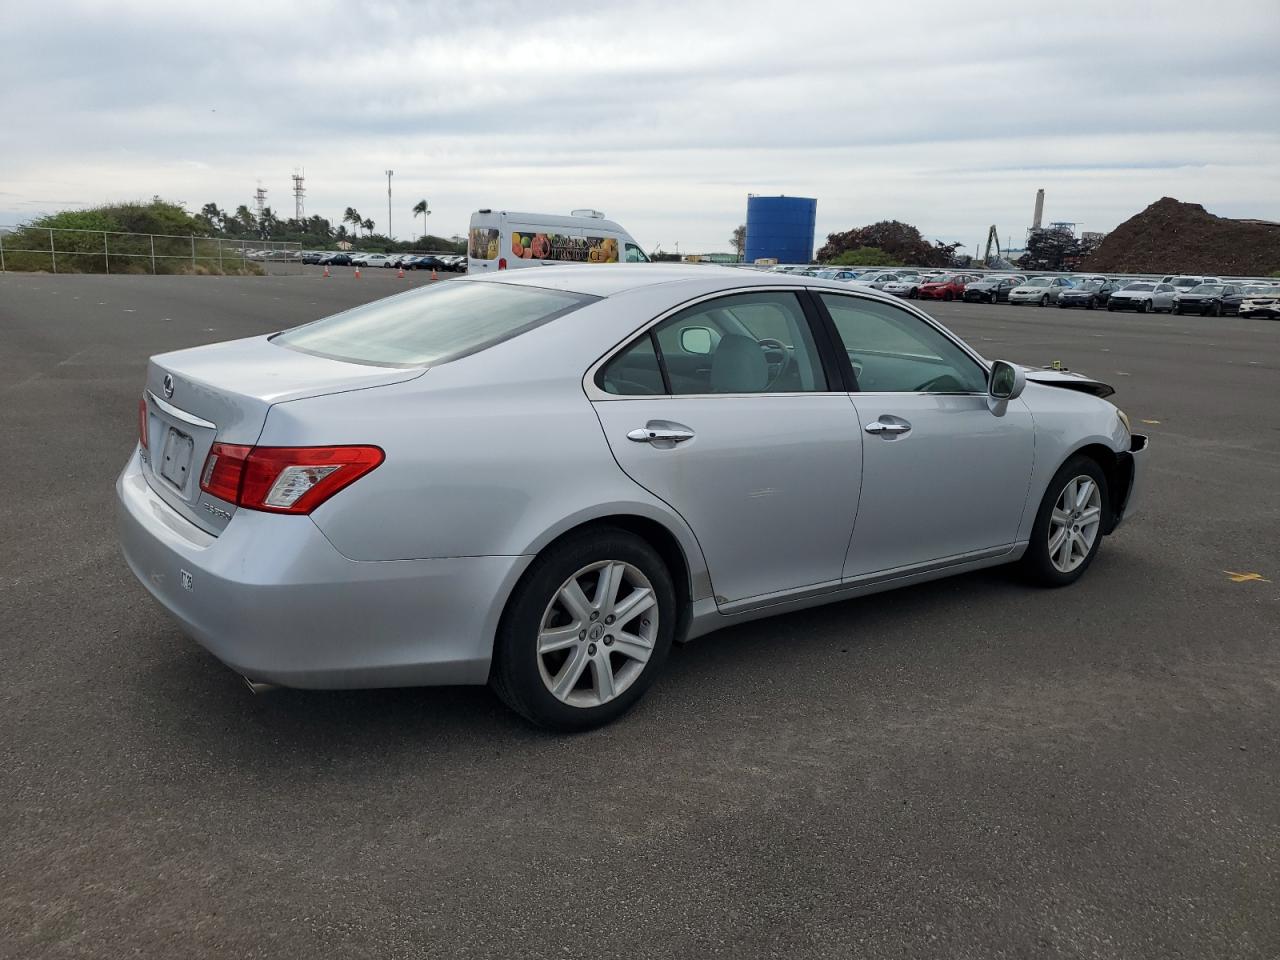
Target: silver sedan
<point>541,479</point>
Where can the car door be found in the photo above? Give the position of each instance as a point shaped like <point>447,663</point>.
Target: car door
<point>1162,298</point>
<point>944,478</point>
<point>727,412</point>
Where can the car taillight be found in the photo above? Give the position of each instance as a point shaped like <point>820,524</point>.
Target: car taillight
<point>502,263</point>
<point>284,479</point>
<point>142,422</point>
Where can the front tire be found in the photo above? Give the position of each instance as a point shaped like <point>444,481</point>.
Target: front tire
<point>1068,528</point>
<point>1044,300</point>
<point>1148,306</point>
<point>585,631</point>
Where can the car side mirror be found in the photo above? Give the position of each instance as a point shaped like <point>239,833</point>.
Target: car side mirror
<point>1006,382</point>
<point>697,340</point>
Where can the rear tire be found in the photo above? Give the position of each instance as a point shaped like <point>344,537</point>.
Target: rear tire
<point>568,682</point>
<point>1063,544</point>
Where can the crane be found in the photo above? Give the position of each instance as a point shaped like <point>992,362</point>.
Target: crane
<point>1000,263</point>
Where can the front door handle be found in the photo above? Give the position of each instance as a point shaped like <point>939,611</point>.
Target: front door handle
<point>887,427</point>
<point>662,433</point>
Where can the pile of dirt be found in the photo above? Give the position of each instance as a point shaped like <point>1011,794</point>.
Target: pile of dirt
<point>1174,237</point>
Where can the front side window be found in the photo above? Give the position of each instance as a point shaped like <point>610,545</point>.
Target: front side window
<point>743,343</point>
<point>635,254</point>
<point>431,325</point>
<point>893,351</point>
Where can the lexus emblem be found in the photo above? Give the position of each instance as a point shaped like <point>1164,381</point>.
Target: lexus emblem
<point>167,384</point>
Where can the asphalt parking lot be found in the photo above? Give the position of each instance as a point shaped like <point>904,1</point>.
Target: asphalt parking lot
<point>969,768</point>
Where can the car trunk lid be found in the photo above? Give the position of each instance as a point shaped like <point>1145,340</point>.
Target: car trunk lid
<point>222,393</point>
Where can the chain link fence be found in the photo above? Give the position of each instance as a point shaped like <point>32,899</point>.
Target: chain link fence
<point>62,250</point>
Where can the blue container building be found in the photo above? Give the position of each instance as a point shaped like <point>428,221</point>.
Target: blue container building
<point>780,228</point>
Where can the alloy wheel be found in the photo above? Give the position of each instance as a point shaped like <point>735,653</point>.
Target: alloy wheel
<point>1074,523</point>
<point>597,633</point>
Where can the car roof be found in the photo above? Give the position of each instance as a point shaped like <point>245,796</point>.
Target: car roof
<point>606,280</point>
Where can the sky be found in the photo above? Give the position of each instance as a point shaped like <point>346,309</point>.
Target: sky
<point>662,115</point>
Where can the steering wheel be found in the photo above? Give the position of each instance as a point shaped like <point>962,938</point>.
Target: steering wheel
<point>782,356</point>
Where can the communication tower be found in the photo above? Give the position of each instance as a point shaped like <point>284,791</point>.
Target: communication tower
<point>299,191</point>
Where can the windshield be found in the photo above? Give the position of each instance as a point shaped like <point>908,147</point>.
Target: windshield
<point>1088,285</point>
<point>826,274</point>
<point>942,279</point>
<point>1141,286</point>
<point>433,325</point>
<point>1207,288</point>
<point>1038,282</point>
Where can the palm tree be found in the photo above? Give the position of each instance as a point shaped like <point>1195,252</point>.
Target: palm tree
<point>421,208</point>
<point>353,218</point>
<point>368,226</point>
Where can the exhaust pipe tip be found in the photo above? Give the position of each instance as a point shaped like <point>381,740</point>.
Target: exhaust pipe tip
<point>255,687</point>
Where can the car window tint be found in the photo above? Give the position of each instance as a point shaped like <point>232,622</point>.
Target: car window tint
<point>743,343</point>
<point>893,351</point>
<point>634,372</point>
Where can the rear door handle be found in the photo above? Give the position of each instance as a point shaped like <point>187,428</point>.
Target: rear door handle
<point>887,426</point>
<point>661,433</point>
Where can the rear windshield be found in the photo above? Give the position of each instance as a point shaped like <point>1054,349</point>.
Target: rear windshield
<point>443,322</point>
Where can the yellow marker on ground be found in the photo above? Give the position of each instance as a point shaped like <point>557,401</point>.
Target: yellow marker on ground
<point>1152,422</point>
<point>1245,577</point>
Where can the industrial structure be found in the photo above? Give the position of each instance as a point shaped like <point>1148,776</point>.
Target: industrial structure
<point>1039,212</point>
<point>299,208</point>
<point>780,228</point>
<point>260,198</point>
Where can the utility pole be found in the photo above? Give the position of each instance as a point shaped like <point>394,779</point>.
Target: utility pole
<point>390,173</point>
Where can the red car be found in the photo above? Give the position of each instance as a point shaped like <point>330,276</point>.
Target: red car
<point>949,287</point>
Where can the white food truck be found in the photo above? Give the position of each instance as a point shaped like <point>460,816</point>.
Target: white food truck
<point>501,240</point>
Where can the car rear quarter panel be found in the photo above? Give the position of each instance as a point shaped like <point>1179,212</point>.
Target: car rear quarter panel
<point>495,454</point>
<point>1065,421</point>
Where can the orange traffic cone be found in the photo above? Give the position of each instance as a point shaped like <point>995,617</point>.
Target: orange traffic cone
<point>357,271</point>
<point>434,275</point>
<point>400,273</point>
<point>326,270</point>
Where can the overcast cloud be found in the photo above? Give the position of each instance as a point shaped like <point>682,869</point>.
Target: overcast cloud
<point>665,116</point>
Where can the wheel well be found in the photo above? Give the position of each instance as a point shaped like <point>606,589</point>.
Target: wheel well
<point>1118,469</point>
<point>668,547</point>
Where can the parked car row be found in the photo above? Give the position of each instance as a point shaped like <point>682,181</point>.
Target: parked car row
<point>1172,294</point>
<point>452,263</point>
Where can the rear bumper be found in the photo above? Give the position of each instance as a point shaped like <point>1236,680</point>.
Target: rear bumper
<point>272,599</point>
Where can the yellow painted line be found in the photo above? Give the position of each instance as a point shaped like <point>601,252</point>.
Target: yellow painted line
<point>1245,577</point>
<point>1152,422</point>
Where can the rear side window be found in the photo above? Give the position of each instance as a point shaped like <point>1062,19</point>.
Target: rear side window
<point>442,322</point>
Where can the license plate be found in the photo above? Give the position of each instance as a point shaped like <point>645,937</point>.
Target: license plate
<point>175,462</point>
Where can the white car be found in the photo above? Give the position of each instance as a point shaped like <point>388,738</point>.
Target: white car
<point>1181,283</point>
<point>908,287</point>
<point>1264,302</point>
<point>1041,291</point>
<point>875,279</point>
<point>1145,296</point>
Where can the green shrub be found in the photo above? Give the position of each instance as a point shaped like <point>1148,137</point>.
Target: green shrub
<point>865,257</point>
